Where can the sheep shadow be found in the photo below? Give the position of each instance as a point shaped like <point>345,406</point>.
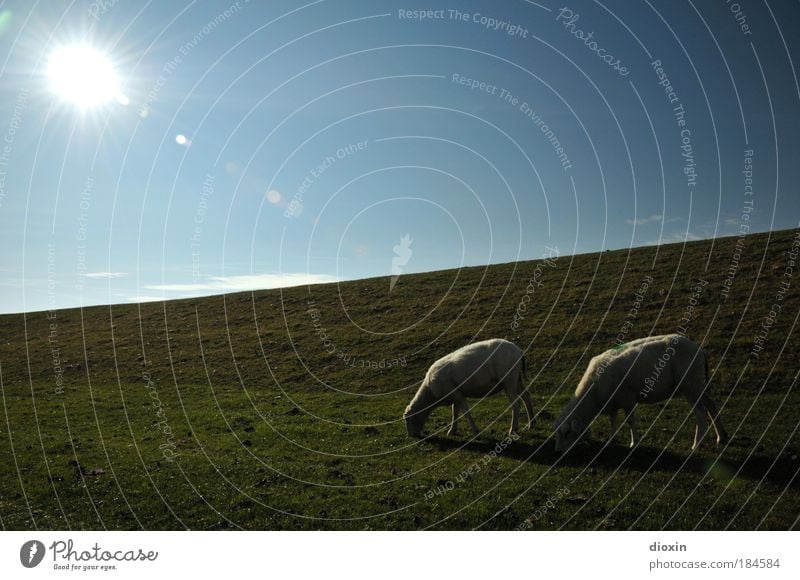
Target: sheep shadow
<point>781,471</point>
<point>517,450</point>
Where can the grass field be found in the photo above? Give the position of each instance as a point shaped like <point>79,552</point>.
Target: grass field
<point>281,409</point>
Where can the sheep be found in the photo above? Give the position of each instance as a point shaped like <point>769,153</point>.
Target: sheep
<point>476,370</point>
<point>647,370</point>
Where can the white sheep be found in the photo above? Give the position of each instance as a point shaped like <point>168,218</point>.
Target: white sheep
<point>476,370</point>
<point>647,370</point>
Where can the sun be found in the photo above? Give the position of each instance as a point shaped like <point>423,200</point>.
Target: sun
<point>84,76</point>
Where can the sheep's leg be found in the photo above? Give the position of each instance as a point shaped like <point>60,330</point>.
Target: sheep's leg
<point>701,428</point>
<point>514,417</point>
<point>526,399</point>
<point>716,422</point>
<point>513,397</point>
<point>456,414</point>
<point>472,424</point>
<point>630,419</point>
<point>701,417</point>
<point>458,399</point>
<point>614,425</point>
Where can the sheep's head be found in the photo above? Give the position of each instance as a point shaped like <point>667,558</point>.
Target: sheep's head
<point>569,429</point>
<point>414,421</point>
<point>569,433</point>
<point>418,410</point>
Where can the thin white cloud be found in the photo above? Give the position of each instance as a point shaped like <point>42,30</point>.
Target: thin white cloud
<point>145,298</point>
<point>107,275</point>
<point>246,282</point>
<point>675,238</point>
<point>643,221</point>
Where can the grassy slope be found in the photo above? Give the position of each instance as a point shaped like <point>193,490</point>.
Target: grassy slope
<point>274,431</point>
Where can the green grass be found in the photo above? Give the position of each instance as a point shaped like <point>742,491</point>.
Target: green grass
<point>274,429</point>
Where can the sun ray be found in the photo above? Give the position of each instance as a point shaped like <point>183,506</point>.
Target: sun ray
<point>84,76</point>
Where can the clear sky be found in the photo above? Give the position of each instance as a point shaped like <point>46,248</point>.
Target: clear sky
<point>254,145</point>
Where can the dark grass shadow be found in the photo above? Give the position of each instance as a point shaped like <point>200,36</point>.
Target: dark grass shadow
<point>517,450</point>
<point>782,471</point>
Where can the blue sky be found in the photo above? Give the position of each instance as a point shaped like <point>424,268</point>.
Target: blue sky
<point>316,135</point>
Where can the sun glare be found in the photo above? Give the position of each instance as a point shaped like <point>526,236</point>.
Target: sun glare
<point>83,76</point>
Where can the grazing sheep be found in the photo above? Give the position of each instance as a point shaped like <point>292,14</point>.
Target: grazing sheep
<point>648,370</point>
<point>476,370</point>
